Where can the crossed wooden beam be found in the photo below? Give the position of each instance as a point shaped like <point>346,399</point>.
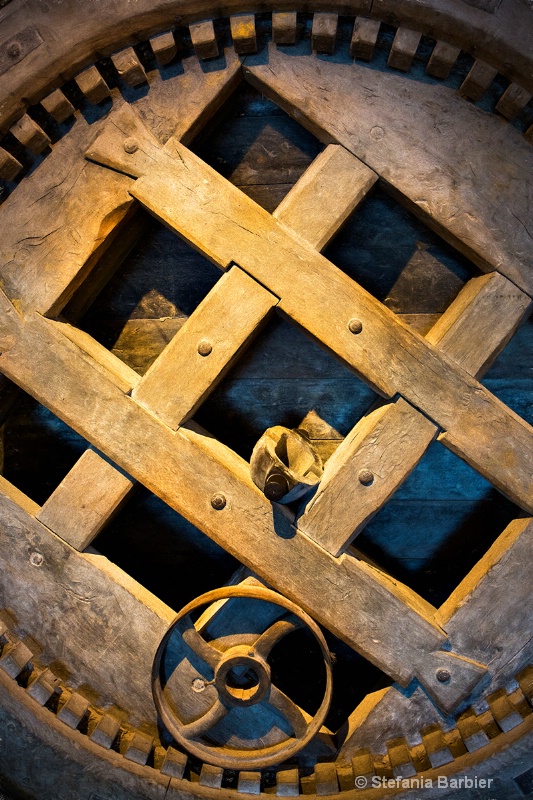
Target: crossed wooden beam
<point>273,261</point>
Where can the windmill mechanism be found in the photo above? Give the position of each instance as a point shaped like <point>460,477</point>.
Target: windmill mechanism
<point>266,399</point>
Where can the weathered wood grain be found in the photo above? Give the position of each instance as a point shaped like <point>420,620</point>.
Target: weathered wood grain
<point>324,32</point>
<point>85,500</point>
<point>403,49</point>
<point>480,322</point>
<point>243,33</point>
<point>30,135</point>
<point>58,106</point>
<point>164,47</point>
<point>93,85</point>
<point>204,348</point>
<point>476,194</point>
<point>325,196</point>
<point>204,39</point>
<point>129,68</point>
<point>9,166</point>
<point>186,470</point>
<point>442,60</point>
<point>284,27</point>
<point>227,227</point>
<point>366,469</point>
<point>364,37</point>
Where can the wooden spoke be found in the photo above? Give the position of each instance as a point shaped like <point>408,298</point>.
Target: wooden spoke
<point>264,643</point>
<point>216,713</point>
<point>217,218</point>
<point>85,500</point>
<point>205,348</point>
<point>397,135</point>
<point>325,196</point>
<point>289,711</point>
<point>197,643</point>
<point>382,619</point>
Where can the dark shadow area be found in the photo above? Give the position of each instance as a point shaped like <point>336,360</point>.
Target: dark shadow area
<point>164,552</point>
<point>257,146</point>
<point>38,449</point>
<point>510,378</point>
<point>282,376</point>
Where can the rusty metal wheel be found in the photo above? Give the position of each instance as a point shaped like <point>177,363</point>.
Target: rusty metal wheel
<point>79,636</point>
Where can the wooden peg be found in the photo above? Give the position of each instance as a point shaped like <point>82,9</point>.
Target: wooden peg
<point>324,32</point>
<point>403,49</point>
<point>58,106</point>
<point>243,33</point>
<point>442,60</point>
<point>30,135</point>
<point>364,38</point>
<point>129,68</point>
<point>284,27</point>
<point>9,166</point>
<point>164,48</point>
<point>204,39</point>
<point>93,85</point>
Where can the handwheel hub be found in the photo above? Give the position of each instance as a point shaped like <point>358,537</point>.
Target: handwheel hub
<point>242,677</point>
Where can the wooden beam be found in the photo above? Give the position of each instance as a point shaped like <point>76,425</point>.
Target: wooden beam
<point>406,135</point>
<point>205,348</point>
<point>327,193</point>
<point>384,620</point>
<point>85,500</point>
<point>364,472</point>
<point>228,227</point>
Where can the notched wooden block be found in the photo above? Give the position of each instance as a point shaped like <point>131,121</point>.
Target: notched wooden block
<point>139,748</point>
<point>129,68</point>
<point>284,27</point>
<point>105,731</point>
<point>472,732</point>
<point>58,106</point>
<point>403,49</point>
<point>44,686</point>
<point>288,783</point>
<point>326,779</point>
<point>9,166</point>
<point>438,751</point>
<point>400,759</point>
<point>364,37</point>
<point>505,714</point>
<point>30,135</point>
<point>363,764</point>
<point>243,33</point>
<point>164,47</point>
<point>525,681</point>
<point>211,776</point>
<point>73,710</point>
<point>174,763</point>
<point>324,32</point>
<point>204,39</point>
<point>15,658</point>
<point>442,60</point>
<point>477,81</point>
<point>249,782</point>
<point>513,101</point>
<point>93,85</point>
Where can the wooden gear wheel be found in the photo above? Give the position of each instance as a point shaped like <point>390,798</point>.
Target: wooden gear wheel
<point>79,636</point>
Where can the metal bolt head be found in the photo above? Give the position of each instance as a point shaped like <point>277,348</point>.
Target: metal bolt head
<point>204,347</point>
<point>36,559</point>
<point>198,685</point>
<point>218,501</point>
<point>366,477</point>
<point>130,146</point>
<point>275,487</point>
<point>442,675</point>
<point>355,325</point>
<point>14,50</point>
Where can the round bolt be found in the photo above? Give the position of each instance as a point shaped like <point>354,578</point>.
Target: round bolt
<point>355,325</point>
<point>443,676</point>
<point>204,347</point>
<point>36,559</point>
<point>198,685</point>
<point>14,50</point>
<point>130,146</point>
<point>218,501</point>
<point>275,487</point>
<point>366,477</point>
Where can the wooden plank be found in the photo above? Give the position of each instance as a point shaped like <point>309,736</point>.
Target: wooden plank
<point>228,227</point>
<point>30,135</point>
<point>488,619</point>
<point>93,85</point>
<point>284,27</point>
<point>58,106</point>
<point>204,39</point>
<point>404,49</point>
<point>442,59</point>
<point>406,135</point>
<point>129,68</point>
<point>364,37</point>
<point>378,454</point>
<point>164,48</point>
<point>205,348</point>
<point>478,80</point>
<point>85,500</point>
<point>327,193</point>
<point>9,166</point>
<point>324,32</point>
<point>243,33</point>
<point>384,620</point>
<point>513,101</point>
<point>480,322</point>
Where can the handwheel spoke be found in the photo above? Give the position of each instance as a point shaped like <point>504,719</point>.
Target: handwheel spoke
<point>195,641</point>
<point>266,641</point>
<point>284,707</point>
<point>200,726</point>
